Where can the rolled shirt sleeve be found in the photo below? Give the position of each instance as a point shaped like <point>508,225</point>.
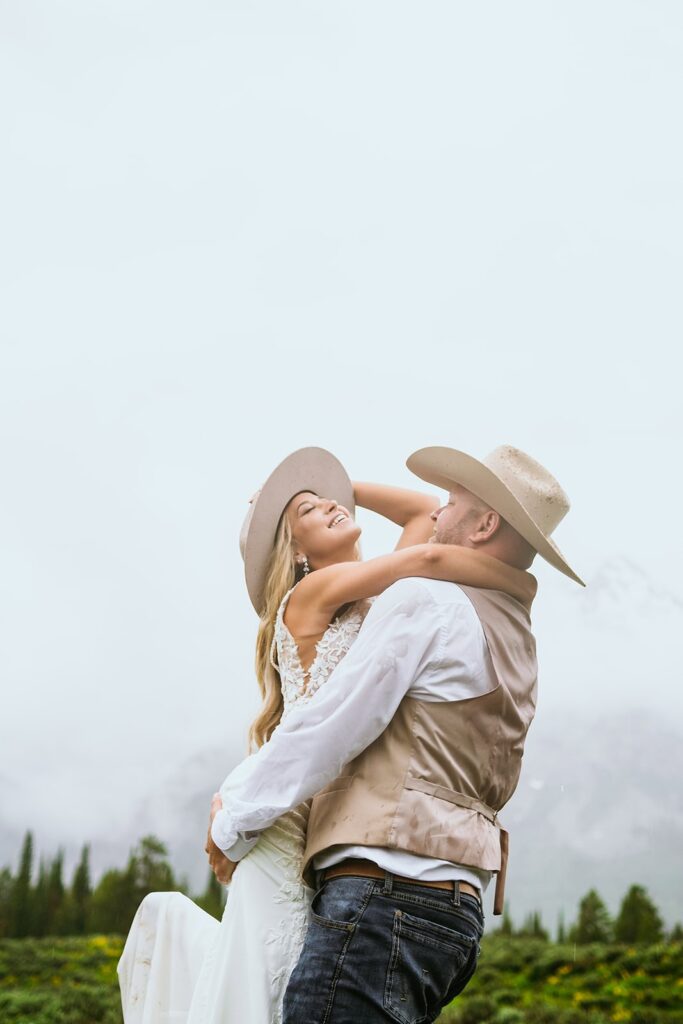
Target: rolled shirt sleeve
<point>401,635</point>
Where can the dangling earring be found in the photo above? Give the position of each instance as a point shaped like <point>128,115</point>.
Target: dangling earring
<point>304,564</point>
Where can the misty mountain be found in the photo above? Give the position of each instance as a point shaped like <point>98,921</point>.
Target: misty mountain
<point>599,805</point>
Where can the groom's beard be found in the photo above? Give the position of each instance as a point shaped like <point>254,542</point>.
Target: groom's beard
<point>456,535</point>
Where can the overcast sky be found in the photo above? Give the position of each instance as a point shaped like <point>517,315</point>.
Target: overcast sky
<point>230,230</point>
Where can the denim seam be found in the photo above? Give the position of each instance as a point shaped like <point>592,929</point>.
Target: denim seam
<point>424,937</point>
<point>388,986</point>
<point>340,926</point>
<point>425,901</point>
<point>471,962</point>
<point>340,959</point>
<point>393,964</point>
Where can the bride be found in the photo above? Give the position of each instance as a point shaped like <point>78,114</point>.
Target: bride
<point>311,592</point>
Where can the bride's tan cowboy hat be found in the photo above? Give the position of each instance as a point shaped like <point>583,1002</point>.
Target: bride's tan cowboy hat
<point>308,469</point>
<point>513,484</point>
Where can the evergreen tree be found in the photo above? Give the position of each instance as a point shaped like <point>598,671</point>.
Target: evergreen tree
<point>638,920</point>
<point>39,917</point>
<point>506,925</point>
<point>6,892</point>
<point>212,900</point>
<point>676,933</point>
<point>119,893</point>
<point>81,892</point>
<point>113,902</point>
<point>21,894</point>
<point>561,930</point>
<point>533,927</point>
<point>594,924</point>
<point>150,868</point>
<point>55,895</point>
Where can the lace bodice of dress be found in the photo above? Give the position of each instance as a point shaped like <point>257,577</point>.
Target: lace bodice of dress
<point>299,686</point>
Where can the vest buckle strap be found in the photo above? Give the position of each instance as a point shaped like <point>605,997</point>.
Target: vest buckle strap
<point>452,796</point>
<point>499,895</point>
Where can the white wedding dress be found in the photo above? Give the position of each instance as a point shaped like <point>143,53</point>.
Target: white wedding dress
<point>180,965</point>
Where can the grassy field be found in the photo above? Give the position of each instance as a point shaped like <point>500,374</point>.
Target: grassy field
<point>60,981</point>
<point>530,982</point>
<point>73,981</point>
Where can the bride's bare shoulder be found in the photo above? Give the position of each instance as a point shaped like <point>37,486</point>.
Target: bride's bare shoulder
<point>302,616</point>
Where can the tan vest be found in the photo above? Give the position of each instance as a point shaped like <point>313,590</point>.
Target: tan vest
<point>434,781</point>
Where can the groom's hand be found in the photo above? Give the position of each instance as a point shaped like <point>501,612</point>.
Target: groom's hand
<point>221,865</point>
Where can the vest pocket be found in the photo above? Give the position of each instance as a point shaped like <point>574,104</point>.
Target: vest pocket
<point>427,960</point>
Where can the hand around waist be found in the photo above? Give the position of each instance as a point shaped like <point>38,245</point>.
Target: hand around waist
<point>222,867</point>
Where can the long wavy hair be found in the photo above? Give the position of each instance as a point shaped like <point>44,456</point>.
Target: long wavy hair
<point>284,572</point>
<point>282,575</point>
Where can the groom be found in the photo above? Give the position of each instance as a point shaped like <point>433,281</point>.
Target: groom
<point>418,738</point>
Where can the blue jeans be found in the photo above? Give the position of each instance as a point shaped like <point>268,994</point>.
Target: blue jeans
<point>383,951</point>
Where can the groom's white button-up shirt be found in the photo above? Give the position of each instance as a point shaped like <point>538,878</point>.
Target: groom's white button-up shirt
<point>421,638</point>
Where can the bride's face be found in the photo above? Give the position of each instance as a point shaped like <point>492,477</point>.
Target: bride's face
<point>323,531</point>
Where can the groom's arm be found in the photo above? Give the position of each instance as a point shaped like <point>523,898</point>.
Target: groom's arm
<point>401,635</point>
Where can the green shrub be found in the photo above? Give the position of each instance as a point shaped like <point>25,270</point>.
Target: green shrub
<point>509,1015</point>
<point>60,981</point>
<point>477,1010</point>
<point>591,984</point>
<point>519,981</point>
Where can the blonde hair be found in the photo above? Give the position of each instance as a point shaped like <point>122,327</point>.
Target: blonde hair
<point>282,576</point>
<point>283,573</point>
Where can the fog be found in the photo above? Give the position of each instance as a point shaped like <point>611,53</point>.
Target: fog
<point>231,232</point>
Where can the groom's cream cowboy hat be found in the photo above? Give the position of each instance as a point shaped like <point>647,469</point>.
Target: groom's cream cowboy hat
<point>513,484</point>
<point>308,469</point>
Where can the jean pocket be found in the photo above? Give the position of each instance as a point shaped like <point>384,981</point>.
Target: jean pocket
<point>427,962</point>
<point>340,903</point>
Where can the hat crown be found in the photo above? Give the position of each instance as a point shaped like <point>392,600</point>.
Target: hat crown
<point>535,488</point>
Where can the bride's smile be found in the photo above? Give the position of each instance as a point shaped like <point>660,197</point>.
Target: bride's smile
<point>323,530</point>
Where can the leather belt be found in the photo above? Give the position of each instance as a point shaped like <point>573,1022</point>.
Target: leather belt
<point>368,869</point>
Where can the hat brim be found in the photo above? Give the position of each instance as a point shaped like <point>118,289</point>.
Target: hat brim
<point>445,467</point>
<point>308,469</point>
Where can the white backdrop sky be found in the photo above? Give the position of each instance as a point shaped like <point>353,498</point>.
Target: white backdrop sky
<point>229,230</point>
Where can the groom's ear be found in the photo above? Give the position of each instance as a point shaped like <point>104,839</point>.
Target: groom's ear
<point>487,527</point>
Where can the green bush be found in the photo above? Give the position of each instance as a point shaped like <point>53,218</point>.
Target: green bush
<point>509,1015</point>
<point>528,982</point>
<point>60,981</point>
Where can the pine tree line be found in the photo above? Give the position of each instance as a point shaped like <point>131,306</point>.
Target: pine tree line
<point>638,922</point>
<point>39,903</point>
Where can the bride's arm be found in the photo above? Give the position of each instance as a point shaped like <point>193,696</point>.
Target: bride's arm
<point>325,590</point>
<point>410,509</point>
